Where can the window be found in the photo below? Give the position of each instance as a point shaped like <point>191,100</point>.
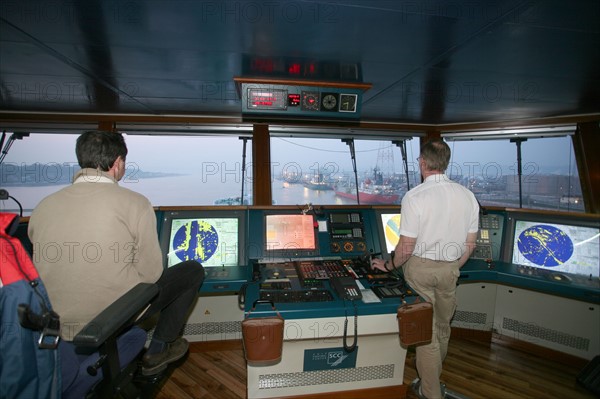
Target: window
<point>35,167</point>
<point>549,177</point>
<point>176,170</point>
<point>187,170</point>
<point>168,170</point>
<point>320,171</point>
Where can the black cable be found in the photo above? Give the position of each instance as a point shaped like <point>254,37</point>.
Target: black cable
<point>18,203</point>
<point>4,195</point>
<point>352,347</point>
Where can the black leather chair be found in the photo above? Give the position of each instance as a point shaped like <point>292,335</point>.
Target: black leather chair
<point>102,360</point>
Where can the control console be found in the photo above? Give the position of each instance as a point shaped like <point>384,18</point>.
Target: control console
<point>346,233</point>
<point>322,280</point>
<point>489,237</point>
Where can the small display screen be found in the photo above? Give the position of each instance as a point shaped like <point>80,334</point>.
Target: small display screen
<point>210,241</point>
<point>289,232</point>
<point>267,98</point>
<point>293,100</point>
<point>347,232</point>
<point>339,218</point>
<point>391,230</point>
<point>557,247</point>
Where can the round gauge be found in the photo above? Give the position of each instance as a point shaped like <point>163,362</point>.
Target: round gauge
<point>329,102</point>
<point>310,101</point>
<point>348,247</point>
<point>335,247</point>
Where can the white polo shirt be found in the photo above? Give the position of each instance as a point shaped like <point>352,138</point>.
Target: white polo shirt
<point>439,213</point>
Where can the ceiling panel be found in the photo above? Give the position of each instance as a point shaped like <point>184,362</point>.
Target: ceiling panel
<point>433,62</point>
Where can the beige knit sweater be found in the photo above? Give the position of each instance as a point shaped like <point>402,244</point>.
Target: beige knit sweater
<point>93,241</point>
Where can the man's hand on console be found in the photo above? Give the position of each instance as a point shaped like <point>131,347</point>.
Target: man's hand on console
<point>380,264</point>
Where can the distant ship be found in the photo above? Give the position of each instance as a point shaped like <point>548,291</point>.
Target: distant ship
<point>371,196</point>
<point>372,191</point>
<point>317,183</point>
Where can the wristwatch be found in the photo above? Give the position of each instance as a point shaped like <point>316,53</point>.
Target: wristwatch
<point>385,265</point>
<point>391,261</point>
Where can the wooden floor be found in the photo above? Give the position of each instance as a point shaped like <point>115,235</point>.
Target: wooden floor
<point>473,369</point>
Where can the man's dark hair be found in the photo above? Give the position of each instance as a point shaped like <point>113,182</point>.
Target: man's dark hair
<point>436,154</point>
<point>99,149</point>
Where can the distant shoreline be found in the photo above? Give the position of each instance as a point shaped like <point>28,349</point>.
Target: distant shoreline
<point>38,175</point>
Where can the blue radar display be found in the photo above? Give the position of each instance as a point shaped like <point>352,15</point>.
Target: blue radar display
<point>545,245</point>
<point>212,241</point>
<point>196,240</point>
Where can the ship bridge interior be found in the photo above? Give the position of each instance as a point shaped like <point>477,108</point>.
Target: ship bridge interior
<point>365,70</point>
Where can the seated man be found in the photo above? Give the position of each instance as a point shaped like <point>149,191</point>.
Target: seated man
<point>94,240</point>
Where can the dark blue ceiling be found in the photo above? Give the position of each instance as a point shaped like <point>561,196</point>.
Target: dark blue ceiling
<point>429,62</point>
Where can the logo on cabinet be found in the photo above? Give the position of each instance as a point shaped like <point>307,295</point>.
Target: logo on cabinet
<point>328,359</point>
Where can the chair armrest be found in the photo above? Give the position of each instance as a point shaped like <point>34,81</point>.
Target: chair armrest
<point>116,317</point>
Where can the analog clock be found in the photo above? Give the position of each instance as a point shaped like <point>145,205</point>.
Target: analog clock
<point>348,102</point>
<point>329,102</point>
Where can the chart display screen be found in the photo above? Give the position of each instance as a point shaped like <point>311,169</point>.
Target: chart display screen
<point>210,241</point>
<point>557,247</point>
<point>289,232</point>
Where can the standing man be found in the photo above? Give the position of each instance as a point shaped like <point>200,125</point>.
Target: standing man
<point>94,240</point>
<point>438,229</point>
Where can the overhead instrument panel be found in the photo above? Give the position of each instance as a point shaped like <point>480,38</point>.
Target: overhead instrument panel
<point>301,100</point>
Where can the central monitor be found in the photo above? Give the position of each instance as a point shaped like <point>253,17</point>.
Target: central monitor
<point>213,238</point>
<point>290,235</point>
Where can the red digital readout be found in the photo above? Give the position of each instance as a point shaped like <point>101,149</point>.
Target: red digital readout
<point>267,99</point>
<point>295,69</point>
<point>293,100</point>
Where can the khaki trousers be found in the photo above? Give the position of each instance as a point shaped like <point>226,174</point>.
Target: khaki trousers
<point>435,281</point>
